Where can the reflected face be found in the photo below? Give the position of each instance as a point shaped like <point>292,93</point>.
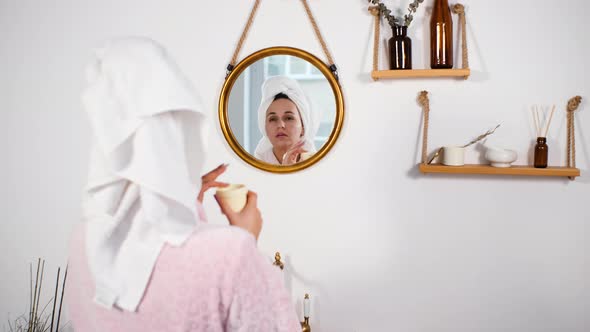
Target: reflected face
<point>283,124</point>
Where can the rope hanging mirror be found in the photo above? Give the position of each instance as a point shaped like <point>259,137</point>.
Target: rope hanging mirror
<point>281,108</point>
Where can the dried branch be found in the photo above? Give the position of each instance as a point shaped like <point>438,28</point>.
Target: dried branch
<point>480,137</point>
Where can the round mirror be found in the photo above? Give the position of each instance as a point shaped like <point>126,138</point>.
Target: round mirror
<point>281,109</point>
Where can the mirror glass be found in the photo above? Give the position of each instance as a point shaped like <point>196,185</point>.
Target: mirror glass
<point>281,109</point>
<point>279,106</point>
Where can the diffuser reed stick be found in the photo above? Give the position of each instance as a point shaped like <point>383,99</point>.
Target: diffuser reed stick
<point>549,122</point>
<point>541,130</point>
<point>536,120</point>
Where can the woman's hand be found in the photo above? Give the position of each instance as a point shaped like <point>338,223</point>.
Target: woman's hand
<point>208,181</point>
<point>292,155</point>
<point>249,218</point>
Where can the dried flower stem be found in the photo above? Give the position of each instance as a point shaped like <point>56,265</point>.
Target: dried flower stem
<point>61,301</point>
<point>39,292</point>
<point>31,290</point>
<point>395,21</point>
<point>480,137</point>
<point>55,298</point>
<point>37,319</point>
<point>32,318</point>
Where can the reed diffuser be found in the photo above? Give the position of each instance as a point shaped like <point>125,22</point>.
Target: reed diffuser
<point>541,148</point>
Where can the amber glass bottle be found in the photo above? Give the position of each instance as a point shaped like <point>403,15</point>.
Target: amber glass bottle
<point>541,152</point>
<point>400,49</point>
<point>441,36</point>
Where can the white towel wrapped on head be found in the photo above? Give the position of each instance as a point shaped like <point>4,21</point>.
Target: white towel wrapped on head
<point>147,157</point>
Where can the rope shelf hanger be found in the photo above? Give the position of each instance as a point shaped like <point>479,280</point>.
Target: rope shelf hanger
<point>572,106</point>
<point>458,9</point>
<point>425,103</point>
<point>313,22</point>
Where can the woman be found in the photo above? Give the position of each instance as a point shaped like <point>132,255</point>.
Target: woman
<point>145,258</point>
<point>287,123</point>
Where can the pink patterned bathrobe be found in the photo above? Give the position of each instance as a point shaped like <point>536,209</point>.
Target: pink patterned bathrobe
<point>216,281</point>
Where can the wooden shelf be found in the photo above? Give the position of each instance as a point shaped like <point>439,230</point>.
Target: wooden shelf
<point>489,170</point>
<point>419,73</point>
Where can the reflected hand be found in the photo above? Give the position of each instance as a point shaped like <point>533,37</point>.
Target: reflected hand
<point>292,155</point>
<point>208,181</point>
<point>249,218</point>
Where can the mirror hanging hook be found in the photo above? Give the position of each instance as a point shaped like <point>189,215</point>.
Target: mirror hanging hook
<point>334,71</point>
<point>229,69</point>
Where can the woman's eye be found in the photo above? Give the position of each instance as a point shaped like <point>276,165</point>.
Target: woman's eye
<point>272,119</point>
<point>290,118</point>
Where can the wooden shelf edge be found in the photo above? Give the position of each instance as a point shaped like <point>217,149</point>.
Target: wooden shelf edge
<point>489,170</point>
<point>420,73</point>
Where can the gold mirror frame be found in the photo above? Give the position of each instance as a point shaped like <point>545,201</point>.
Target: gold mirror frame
<point>224,99</point>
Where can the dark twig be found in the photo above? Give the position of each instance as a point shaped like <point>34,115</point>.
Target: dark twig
<point>61,300</point>
<point>36,318</point>
<point>31,291</point>
<point>55,298</point>
<point>32,319</point>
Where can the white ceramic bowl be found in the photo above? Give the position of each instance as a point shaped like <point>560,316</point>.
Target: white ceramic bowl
<point>499,157</point>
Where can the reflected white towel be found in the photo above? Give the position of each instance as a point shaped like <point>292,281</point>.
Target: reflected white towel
<point>310,116</point>
<point>145,165</point>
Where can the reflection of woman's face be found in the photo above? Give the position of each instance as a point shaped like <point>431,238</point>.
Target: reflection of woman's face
<point>283,124</point>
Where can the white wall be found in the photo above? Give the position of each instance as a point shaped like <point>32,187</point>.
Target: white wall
<point>377,245</point>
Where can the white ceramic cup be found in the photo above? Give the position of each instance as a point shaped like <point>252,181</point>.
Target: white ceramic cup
<point>453,156</point>
<point>235,195</point>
